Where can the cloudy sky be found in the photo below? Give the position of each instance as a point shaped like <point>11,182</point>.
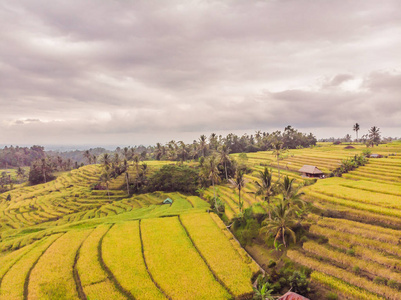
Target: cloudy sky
<point>128,72</point>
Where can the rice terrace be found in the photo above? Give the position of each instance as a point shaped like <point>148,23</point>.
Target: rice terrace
<point>200,150</point>
<point>117,229</point>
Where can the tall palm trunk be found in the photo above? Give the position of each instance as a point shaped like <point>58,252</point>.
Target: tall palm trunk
<point>127,180</point>
<point>278,166</point>
<point>214,190</point>
<point>268,207</point>
<point>225,168</point>
<point>239,199</point>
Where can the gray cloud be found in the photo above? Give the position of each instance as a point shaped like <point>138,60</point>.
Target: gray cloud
<point>121,71</point>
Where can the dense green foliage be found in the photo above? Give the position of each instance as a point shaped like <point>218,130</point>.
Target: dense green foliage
<point>20,156</point>
<point>174,178</point>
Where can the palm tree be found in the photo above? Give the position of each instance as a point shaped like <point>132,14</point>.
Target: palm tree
<point>265,187</point>
<point>278,151</point>
<point>258,137</point>
<point>356,129</point>
<point>213,143</point>
<point>106,178</point>
<point>183,151</point>
<point>137,160</point>
<point>224,157</point>
<point>212,172</point>
<point>374,135</point>
<point>106,161</point>
<point>116,160</point>
<point>282,222</point>
<point>158,151</point>
<point>126,174</point>
<point>291,194</point>
<point>69,163</point>
<point>126,153</point>
<point>263,293</point>
<point>20,173</point>
<point>88,156</point>
<point>238,182</point>
<point>203,144</point>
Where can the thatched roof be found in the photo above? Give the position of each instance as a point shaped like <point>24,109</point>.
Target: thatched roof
<point>310,170</point>
<point>292,296</point>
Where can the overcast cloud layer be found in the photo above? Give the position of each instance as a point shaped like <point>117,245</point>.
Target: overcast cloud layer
<point>138,72</point>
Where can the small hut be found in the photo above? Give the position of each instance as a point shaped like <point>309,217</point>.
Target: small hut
<point>292,296</point>
<point>311,171</point>
<point>168,201</point>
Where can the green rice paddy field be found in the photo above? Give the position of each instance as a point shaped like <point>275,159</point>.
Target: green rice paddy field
<point>63,240</point>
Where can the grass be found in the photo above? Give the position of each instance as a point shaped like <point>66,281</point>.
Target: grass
<point>353,239</point>
<point>343,287</point>
<point>175,264</point>
<point>123,257</point>
<point>373,268</point>
<point>12,284</point>
<point>223,260</point>
<point>343,275</point>
<point>52,276</point>
<point>386,235</point>
<point>93,278</point>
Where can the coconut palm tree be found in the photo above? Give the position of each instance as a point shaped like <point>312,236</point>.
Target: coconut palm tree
<point>88,156</point>
<point>291,193</point>
<point>224,157</point>
<point>106,161</point>
<point>282,222</point>
<point>213,143</point>
<point>356,129</point>
<point>20,173</point>
<point>158,151</point>
<point>136,160</point>
<point>264,187</point>
<point>106,179</point>
<point>374,135</point>
<point>126,153</point>
<point>238,182</point>
<point>183,151</point>
<point>263,293</point>
<point>126,166</point>
<point>278,151</point>
<point>211,172</point>
<point>203,144</point>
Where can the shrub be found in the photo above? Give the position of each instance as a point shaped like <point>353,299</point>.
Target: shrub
<point>380,280</point>
<point>174,178</point>
<point>271,264</point>
<point>356,270</point>
<point>299,283</point>
<point>282,281</point>
<point>276,287</point>
<point>351,252</point>
<point>331,296</point>
<point>304,239</point>
<point>394,284</point>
